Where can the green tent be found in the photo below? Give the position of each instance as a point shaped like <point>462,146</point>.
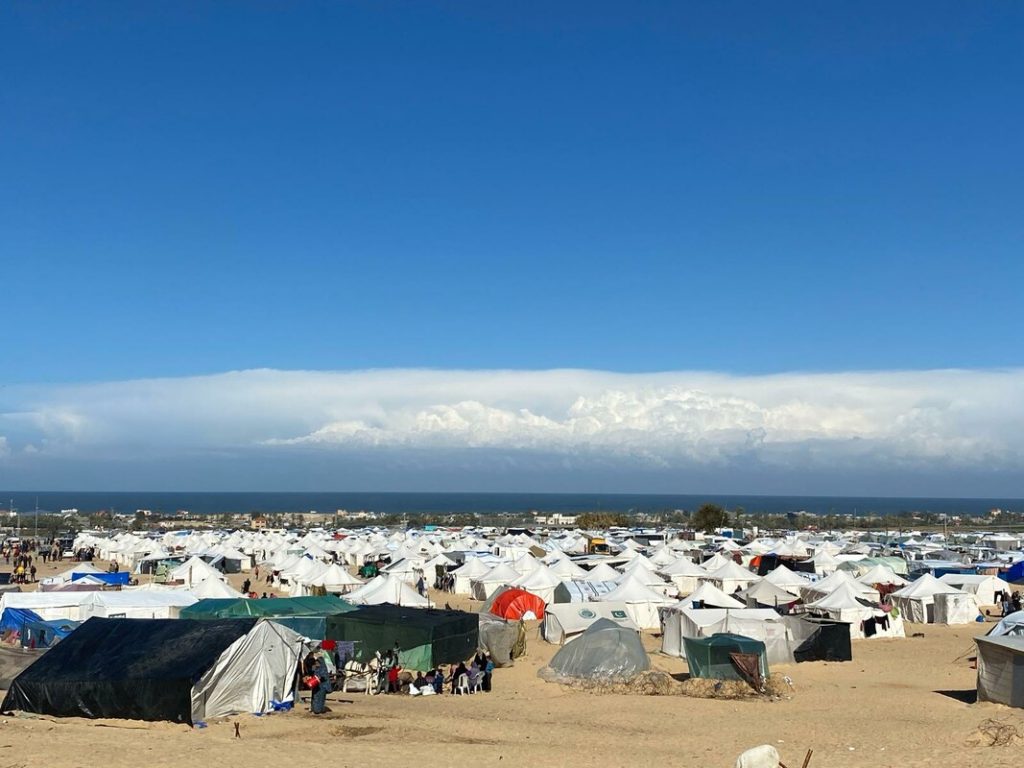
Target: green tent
<point>708,657</point>
<point>305,615</point>
<point>426,637</point>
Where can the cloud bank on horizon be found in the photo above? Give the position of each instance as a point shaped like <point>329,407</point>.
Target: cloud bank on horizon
<point>960,432</point>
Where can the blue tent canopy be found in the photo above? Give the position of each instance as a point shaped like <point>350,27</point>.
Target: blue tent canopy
<point>121,577</point>
<point>15,618</point>
<point>43,634</point>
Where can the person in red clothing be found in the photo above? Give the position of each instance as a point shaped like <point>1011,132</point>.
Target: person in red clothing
<point>393,686</point>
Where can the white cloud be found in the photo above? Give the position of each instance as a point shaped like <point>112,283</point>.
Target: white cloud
<point>797,422</point>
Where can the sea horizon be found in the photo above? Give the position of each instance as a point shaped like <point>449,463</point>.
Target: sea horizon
<point>486,503</point>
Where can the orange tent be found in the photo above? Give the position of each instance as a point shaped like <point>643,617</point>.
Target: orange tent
<point>516,603</point>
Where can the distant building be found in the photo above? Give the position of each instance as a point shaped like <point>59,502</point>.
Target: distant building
<point>556,518</point>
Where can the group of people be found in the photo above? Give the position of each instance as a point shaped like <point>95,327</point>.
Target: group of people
<point>445,582</point>
<point>1010,602</point>
<point>477,676</point>
<point>24,570</point>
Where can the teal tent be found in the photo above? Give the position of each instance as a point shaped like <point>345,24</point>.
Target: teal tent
<point>709,657</point>
<point>305,615</point>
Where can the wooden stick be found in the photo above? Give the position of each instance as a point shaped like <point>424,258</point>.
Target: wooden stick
<point>807,760</point>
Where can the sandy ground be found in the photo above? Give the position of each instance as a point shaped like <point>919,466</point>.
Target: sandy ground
<point>899,703</point>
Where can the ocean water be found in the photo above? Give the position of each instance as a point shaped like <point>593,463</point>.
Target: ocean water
<point>482,503</point>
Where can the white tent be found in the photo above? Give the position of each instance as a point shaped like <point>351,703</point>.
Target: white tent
<point>337,580</point>
<point>256,670</point>
<point>707,595</point>
<point>762,624</point>
<point>956,608</point>
<point>497,577</point>
<point>540,582</point>
<point>917,601</point>
<point>214,588</point>
<point>79,606</point>
<point>684,574</point>
<point>845,603</point>
<point>1001,670</point>
<point>824,563</point>
<point>786,578</point>
<point>473,568</point>
<point>763,592</point>
<point>567,570</point>
<point>983,588</point>
<point>828,585</point>
<point>1013,624</point>
<point>882,574</point>
<point>386,588</point>
<point>194,571</point>
<point>566,621</point>
<point>731,577</point>
<point>641,601</point>
<point>602,572</point>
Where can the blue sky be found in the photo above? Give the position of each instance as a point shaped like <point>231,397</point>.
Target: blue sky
<point>195,188</point>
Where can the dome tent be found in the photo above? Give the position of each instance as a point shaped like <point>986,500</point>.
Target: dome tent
<point>605,651</point>
<point>517,603</point>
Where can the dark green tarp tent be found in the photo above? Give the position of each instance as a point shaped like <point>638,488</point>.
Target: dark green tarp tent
<point>708,657</point>
<point>426,637</point>
<point>305,615</point>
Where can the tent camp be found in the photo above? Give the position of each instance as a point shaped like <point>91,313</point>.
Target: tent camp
<point>565,622</point>
<point>305,615</point>
<point>1001,670</point>
<point>182,671</point>
<point>426,637</point>
<point>605,651</point>
<point>711,657</point>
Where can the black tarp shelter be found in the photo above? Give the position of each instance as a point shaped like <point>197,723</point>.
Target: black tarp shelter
<point>140,669</point>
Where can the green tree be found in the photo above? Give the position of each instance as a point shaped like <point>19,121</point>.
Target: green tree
<point>709,517</point>
<point>597,520</point>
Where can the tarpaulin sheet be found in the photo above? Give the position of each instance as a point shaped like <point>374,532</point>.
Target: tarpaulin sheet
<point>139,669</point>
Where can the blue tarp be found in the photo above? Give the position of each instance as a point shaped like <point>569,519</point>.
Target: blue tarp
<point>43,634</point>
<point>15,618</point>
<point>121,577</point>
<point>1014,574</point>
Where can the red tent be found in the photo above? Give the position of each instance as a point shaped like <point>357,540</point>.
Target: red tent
<point>515,603</point>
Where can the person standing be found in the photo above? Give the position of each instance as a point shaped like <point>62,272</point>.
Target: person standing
<point>323,687</point>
